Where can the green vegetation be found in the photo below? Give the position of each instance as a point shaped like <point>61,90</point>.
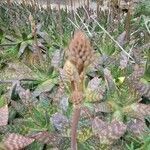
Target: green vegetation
<point>36,92</point>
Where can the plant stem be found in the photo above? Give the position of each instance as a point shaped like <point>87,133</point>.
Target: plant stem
<point>75,120</point>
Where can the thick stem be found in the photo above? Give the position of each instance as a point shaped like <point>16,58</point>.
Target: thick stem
<point>75,120</point>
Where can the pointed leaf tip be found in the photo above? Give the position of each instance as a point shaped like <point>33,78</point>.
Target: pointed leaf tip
<point>17,142</point>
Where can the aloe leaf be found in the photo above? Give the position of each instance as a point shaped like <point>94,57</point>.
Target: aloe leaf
<point>38,117</point>
<point>94,83</point>
<point>59,121</point>
<point>2,102</point>
<point>46,86</point>
<point>45,36</point>
<point>137,127</point>
<point>109,80</point>
<point>12,114</point>
<point>35,145</point>
<point>16,141</point>
<point>3,115</point>
<point>95,90</point>
<point>108,132</point>
<point>22,48</point>
<point>103,107</point>
<point>137,110</point>
<point>46,138</point>
<point>123,60</point>
<point>121,39</point>
<point>16,128</point>
<point>1,35</point>
<point>57,58</point>
<point>24,36</point>
<point>21,109</point>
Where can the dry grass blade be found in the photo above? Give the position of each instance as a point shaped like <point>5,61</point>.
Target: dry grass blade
<point>86,26</point>
<point>76,26</point>
<point>113,39</point>
<point>48,3</point>
<point>17,142</point>
<point>4,115</point>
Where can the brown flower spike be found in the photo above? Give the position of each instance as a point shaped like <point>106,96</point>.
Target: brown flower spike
<point>80,51</point>
<point>79,56</point>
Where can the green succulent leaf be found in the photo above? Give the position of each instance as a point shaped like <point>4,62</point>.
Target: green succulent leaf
<point>46,86</point>
<point>21,109</point>
<point>2,102</point>
<point>17,128</point>
<point>103,107</point>
<point>84,134</point>
<point>22,48</point>
<point>46,138</point>
<point>35,145</point>
<point>24,36</point>
<point>1,35</point>
<point>39,118</point>
<point>12,114</point>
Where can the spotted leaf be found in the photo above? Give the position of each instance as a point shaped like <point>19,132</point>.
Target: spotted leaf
<point>137,127</point>
<point>57,58</point>
<point>108,132</point>
<point>59,121</point>
<point>137,110</point>
<point>46,138</point>
<point>17,142</point>
<point>4,115</point>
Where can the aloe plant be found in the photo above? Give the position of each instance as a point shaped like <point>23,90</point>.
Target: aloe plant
<point>115,108</point>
